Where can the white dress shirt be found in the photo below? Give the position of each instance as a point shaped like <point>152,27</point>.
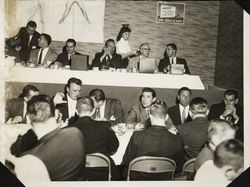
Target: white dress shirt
<point>43,55</point>
<point>175,60</point>
<point>71,106</point>
<point>186,110</point>
<point>102,110</point>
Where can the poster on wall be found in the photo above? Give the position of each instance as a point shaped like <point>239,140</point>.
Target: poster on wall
<point>82,20</point>
<point>172,13</point>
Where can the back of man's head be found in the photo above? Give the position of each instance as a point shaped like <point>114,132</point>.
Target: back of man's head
<point>85,105</point>
<point>230,157</point>
<point>220,130</point>
<point>198,105</point>
<point>158,110</point>
<point>40,108</point>
<point>97,94</point>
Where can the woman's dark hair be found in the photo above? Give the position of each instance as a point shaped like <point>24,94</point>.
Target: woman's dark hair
<point>122,30</point>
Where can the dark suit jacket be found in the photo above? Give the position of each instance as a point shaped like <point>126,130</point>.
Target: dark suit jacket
<point>115,62</point>
<point>154,141</point>
<point>100,138</point>
<point>217,109</point>
<point>194,135</point>
<point>165,62</point>
<point>63,108</point>
<point>174,113</point>
<point>64,59</point>
<point>14,107</point>
<point>113,107</point>
<point>24,37</point>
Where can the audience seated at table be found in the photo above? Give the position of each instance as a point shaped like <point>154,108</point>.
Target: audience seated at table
<point>226,165</point>
<point>138,115</point>
<point>230,110</point>
<point>64,58</point>
<point>180,112</point>
<point>66,103</point>
<point>123,47</point>
<point>27,38</point>
<point>61,150</point>
<point>154,141</point>
<point>194,133</point>
<point>218,131</point>
<point>108,58</point>
<point>44,56</point>
<point>99,137</point>
<point>15,111</point>
<point>134,63</point>
<point>171,58</point>
<point>107,109</point>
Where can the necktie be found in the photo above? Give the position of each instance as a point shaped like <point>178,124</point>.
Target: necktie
<point>70,57</point>
<point>97,113</point>
<point>172,61</point>
<point>40,57</point>
<point>183,115</point>
<point>148,112</point>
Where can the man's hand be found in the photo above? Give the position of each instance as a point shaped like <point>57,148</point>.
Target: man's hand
<point>229,109</point>
<point>59,98</point>
<point>15,120</point>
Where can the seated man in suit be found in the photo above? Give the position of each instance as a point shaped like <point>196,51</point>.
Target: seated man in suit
<point>66,103</point>
<point>15,111</point>
<point>144,53</point>
<point>107,109</point>
<point>43,56</point>
<point>170,58</point>
<point>180,112</point>
<point>227,165</point>
<point>28,37</point>
<point>64,59</point>
<point>194,133</point>
<point>99,137</point>
<point>61,150</point>
<point>108,58</point>
<point>218,131</point>
<point>230,110</point>
<point>154,141</point>
<point>138,115</point>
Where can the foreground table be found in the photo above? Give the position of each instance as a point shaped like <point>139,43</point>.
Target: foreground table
<point>104,78</point>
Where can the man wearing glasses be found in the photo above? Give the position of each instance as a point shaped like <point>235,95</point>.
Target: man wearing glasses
<point>144,54</point>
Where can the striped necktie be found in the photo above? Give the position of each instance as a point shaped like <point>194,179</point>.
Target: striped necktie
<point>183,115</point>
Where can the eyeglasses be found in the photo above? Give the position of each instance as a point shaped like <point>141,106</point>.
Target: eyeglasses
<point>146,49</point>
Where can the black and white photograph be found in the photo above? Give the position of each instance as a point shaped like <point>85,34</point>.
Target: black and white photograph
<point>124,92</point>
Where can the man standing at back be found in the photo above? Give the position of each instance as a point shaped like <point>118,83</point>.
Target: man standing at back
<point>154,141</point>
<point>194,133</point>
<point>61,150</point>
<point>100,138</point>
<point>29,40</point>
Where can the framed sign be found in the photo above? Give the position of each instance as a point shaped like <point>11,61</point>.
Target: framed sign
<point>173,13</point>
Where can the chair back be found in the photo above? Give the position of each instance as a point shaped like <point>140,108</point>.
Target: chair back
<point>151,164</point>
<point>98,160</point>
<point>188,169</point>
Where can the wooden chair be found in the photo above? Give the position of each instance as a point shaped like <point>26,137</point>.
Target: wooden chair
<point>98,160</point>
<point>150,164</point>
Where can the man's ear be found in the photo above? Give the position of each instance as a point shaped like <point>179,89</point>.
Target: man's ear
<point>229,172</point>
<point>154,99</point>
<point>236,100</point>
<point>67,89</point>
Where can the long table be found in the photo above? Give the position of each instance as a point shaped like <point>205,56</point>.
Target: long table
<point>104,78</point>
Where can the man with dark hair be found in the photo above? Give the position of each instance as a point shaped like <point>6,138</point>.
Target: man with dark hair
<point>108,58</point>
<point>194,133</point>
<point>61,150</point>
<point>28,37</point>
<point>180,112</point>
<point>218,131</point>
<point>154,141</point>
<point>15,111</point>
<point>43,56</point>
<point>227,165</point>
<point>64,59</point>
<point>107,109</point>
<point>170,58</point>
<point>230,110</point>
<point>100,138</point>
<point>66,103</point>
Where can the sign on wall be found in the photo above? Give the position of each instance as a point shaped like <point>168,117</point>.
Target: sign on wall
<point>173,13</point>
<point>82,20</point>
